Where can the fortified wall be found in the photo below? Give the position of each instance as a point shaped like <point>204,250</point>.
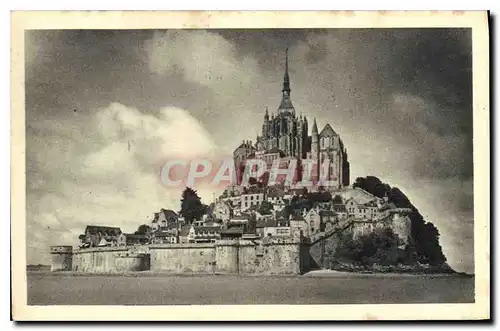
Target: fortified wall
<point>268,256</point>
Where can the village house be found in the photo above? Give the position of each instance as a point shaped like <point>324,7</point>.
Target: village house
<point>367,210</point>
<point>251,199</point>
<point>313,220</point>
<point>340,210</point>
<point>263,224</point>
<point>130,239</point>
<point>96,235</point>
<point>277,231</point>
<point>165,219</point>
<point>328,216</point>
<point>168,236</point>
<point>298,226</point>
<point>276,197</point>
<point>203,234</point>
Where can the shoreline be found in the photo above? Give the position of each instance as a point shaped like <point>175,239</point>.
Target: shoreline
<point>311,274</point>
<point>340,274</point>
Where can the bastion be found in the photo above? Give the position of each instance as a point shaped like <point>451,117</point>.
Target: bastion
<point>62,257</point>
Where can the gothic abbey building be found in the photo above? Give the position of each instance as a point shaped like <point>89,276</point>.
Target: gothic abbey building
<point>286,136</point>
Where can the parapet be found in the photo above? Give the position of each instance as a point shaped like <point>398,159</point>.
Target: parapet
<point>182,246</point>
<point>61,249</point>
<point>102,249</point>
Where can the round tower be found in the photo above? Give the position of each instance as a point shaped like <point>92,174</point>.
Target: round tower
<point>62,258</point>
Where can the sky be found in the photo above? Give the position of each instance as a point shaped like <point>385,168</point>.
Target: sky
<point>106,108</point>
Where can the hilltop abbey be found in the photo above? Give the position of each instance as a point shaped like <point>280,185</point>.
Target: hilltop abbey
<point>254,229</point>
<point>285,136</point>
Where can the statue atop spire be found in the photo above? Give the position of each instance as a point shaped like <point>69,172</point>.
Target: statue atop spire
<point>286,78</point>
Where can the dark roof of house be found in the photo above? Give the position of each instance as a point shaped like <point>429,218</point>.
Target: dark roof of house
<point>198,229</point>
<point>135,236</point>
<point>98,228</point>
<point>275,192</point>
<point>263,223</point>
<point>163,234</point>
<point>241,217</point>
<point>213,223</point>
<point>233,230</point>
<point>327,213</point>
<point>252,190</point>
<point>169,213</point>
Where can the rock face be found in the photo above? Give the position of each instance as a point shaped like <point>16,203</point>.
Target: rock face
<point>380,251</point>
<point>425,236</point>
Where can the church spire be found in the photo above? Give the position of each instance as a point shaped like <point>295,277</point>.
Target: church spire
<point>286,78</point>
<point>315,127</point>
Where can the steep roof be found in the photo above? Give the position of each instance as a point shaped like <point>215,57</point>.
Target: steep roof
<point>169,213</point>
<point>328,131</point>
<point>99,228</point>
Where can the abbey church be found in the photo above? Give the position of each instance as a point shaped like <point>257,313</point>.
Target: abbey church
<point>286,136</point>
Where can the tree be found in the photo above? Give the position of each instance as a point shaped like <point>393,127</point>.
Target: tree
<point>380,246</point>
<point>191,206</point>
<point>143,229</point>
<point>265,208</point>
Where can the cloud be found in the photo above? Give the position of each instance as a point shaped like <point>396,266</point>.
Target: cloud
<point>110,183</point>
<point>235,83</point>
